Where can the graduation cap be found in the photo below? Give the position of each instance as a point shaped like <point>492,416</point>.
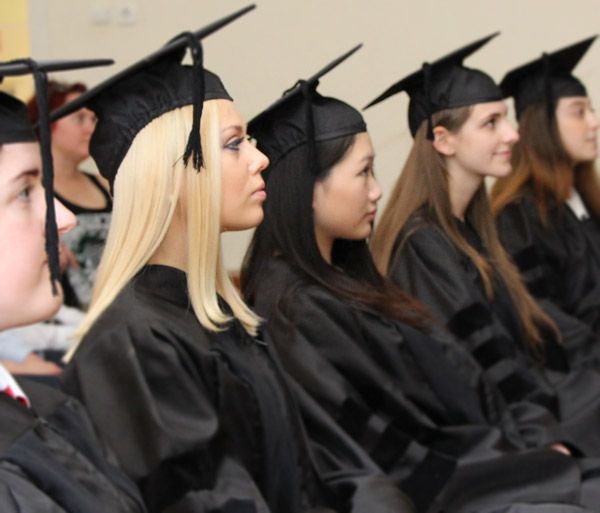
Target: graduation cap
<point>15,127</point>
<point>302,116</point>
<point>444,84</point>
<point>546,79</point>
<point>126,102</point>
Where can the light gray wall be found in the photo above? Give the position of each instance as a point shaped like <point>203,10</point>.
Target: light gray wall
<point>269,49</point>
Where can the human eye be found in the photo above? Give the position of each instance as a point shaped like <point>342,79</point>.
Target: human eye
<point>234,144</point>
<point>491,122</point>
<point>24,193</point>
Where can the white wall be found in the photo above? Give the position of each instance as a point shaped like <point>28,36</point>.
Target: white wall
<point>265,52</point>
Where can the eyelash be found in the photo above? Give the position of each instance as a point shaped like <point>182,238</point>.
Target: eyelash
<point>25,193</point>
<point>236,143</point>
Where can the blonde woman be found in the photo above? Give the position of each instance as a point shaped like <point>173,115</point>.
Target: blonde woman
<point>171,364</point>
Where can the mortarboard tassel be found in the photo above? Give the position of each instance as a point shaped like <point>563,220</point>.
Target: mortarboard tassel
<point>308,93</point>
<point>194,146</point>
<point>427,90</point>
<point>548,87</point>
<point>51,229</point>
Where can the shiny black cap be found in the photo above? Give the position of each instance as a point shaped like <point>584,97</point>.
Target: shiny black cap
<point>546,79</point>
<point>302,116</point>
<point>444,84</point>
<point>126,102</point>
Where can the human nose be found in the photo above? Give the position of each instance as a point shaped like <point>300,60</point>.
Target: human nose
<point>593,121</point>
<point>375,191</point>
<point>511,135</point>
<point>65,219</point>
<point>260,161</point>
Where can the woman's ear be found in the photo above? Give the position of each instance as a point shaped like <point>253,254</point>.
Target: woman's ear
<point>443,141</point>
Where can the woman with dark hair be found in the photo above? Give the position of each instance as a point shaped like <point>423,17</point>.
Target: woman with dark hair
<point>84,194</point>
<point>548,209</point>
<point>353,342</point>
<point>437,240</point>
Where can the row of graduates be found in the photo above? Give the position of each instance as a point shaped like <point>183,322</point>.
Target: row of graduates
<point>443,387</point>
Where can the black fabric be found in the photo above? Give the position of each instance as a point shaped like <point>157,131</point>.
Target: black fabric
<point>560,264</point>
<point>427,265</point>
<point>50,459</point>
<point>444,84</point>
<point>546,79</point>
<point>15,125</point>
<point>302,116</point>
<point>200,419</point>
<point>393,390</point>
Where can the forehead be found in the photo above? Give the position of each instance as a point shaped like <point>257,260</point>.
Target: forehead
<point>228,114</point>
<point>568,101</point>
<point>17,157</point>
<point>488,109</point>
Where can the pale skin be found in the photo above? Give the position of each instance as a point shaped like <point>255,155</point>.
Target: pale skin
<point>242,188</point>
<point>480,148</point>
<point>578,128</point>
<point>345,202</point>
<point>23,261</point>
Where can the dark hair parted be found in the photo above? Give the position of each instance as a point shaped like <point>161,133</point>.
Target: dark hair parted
<point>288,231</point>
<point>423,183</point>
<point>541,163</point>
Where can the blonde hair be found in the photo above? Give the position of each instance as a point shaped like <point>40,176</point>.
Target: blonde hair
<point>147,192</point>
<point>424,183</point>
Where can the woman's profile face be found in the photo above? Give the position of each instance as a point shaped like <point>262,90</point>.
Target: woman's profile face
<point>483,145</point>
<point>242,186</point>
<point>26,294</point>
<point>71,134</point>
<point>345,202</point>
<point>578,126</point>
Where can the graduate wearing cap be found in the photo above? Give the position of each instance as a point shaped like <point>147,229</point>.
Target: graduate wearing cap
<point>548,208</point>
<point>171,364</point>
<point>413,398</point>
<point>50,458</point>
<point>437,240</point>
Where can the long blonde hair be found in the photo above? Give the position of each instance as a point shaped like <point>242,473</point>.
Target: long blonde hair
<point>424,183</point>
<point>147,192</point>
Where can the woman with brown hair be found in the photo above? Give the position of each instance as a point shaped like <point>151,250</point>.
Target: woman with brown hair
<point>437,240</point>
<point>548,209</point>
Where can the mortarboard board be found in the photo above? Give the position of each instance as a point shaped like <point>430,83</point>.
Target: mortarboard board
<point>159,83</point>
<point>444,84</point>
<point>546,79</point>
<point>302,116</point>
<point>15,127</point>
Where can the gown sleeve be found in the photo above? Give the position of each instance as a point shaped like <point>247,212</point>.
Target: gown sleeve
<point>155,409</point>
<point>429,268</point>
<point>541,257</point>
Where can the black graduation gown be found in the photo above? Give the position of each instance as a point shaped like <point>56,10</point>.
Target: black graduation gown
<point>560,263</point>
<point>427,265</point>
<point>419,406</point>
<point>203,421</point>
<point>51,461</point>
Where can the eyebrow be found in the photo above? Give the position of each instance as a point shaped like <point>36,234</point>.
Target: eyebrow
<point>237,128</point>
<point>28,173</point>
<point>369,157</point>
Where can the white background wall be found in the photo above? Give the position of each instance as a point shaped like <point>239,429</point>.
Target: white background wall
<point>265,52</point>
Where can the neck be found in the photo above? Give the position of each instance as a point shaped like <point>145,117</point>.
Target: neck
<point>325,245</point>
<point>462,186</point>
<point>172,251</point>
<point>64,167</point>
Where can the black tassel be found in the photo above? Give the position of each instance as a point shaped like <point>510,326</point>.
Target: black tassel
<point>51,229</point>
<point>427,91</point>
<point>194,147</point>
<point>308,93</point>
<point>548,87</point>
